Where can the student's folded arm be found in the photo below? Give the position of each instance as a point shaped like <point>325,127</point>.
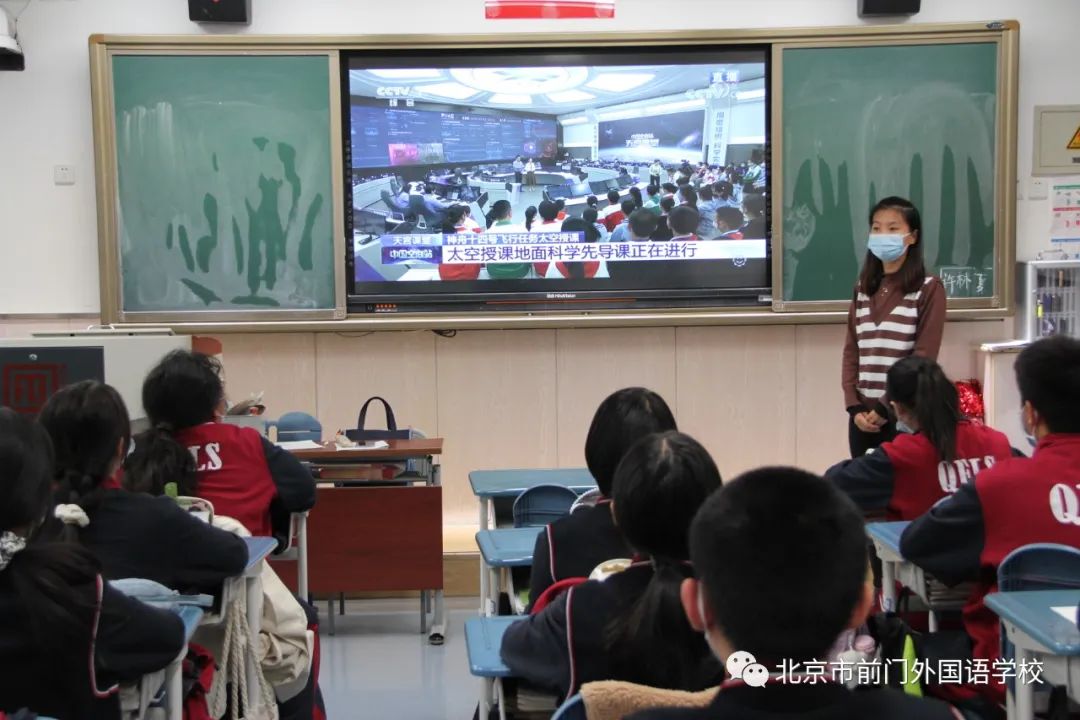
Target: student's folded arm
<point>134,639</point>
<point>540,575</point>
<point>535,648</point>
<point>204,556</point>
<point>948,541</point>
<point>867,480</point>
<point>295,486</point>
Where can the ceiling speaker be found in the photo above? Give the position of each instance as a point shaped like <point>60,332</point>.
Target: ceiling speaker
<point>220,11</point>
<point>877,8</point>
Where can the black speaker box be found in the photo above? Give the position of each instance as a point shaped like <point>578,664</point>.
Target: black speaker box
<point>876,8</point>
<point>220,11</point>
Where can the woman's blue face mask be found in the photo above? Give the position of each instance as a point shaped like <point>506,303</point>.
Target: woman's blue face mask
<point>887,248</point>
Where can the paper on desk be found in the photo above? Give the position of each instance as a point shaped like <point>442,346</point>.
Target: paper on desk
<point>1066,611</point>
<point>377,445</point>
<point>299,445</point>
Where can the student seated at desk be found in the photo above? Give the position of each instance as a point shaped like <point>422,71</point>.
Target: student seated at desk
<point>573,546</point>
<point>1016,502</point>
<point>67,638</point>
<point>132,535</point>
<point>940,452</point>
<point>629,625</point>
<point>243,474</point>
<point>287,662</point>
<point>780,562</point>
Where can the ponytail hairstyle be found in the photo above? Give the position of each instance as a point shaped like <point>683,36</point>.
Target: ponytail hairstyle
<point>920,384</point>
<point>182,391</point>
<point>500,209</point>
<point>530,216</point>
<point>90,431</point>
<point>44,575</point>
<point>589,233</point>
<point>660,484</point>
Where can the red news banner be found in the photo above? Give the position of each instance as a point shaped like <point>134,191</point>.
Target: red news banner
<point>548,9</point>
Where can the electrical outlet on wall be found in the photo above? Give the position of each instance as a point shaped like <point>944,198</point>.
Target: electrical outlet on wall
<point>1038,188</point>
<point>64,174</point>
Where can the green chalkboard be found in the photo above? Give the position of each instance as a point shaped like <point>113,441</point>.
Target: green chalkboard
<point>224,182</point>
<point>863,123</point>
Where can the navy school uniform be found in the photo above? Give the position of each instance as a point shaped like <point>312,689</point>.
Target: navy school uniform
<point>573,546</point>
<point>564,646</point>
<point>1015,503</point>
<point>906,476</point>
<point>132,639</point>
<point>823,701</point>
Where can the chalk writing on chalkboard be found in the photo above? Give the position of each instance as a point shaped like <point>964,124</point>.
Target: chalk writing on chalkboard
<point>967,282</point>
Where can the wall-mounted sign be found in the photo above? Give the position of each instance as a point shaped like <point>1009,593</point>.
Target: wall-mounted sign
<point>548,9</point>
<point>1057,140</point>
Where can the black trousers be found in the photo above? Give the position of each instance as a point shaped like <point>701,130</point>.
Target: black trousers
<point>655,180</point>
<point>859,442</point>
<point>517,178</point>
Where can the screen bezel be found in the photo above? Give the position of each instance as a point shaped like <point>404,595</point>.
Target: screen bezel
<point>483,294</point>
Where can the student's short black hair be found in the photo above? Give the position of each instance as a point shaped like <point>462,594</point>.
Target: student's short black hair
<point>592,201</point>
<point>669,188</point>
<point>183,390</point>
<point>682,181</point>
<point>628,206</point>
<point>643,223</point>
<point>623,418</point>
<point>782,556</point>
<point>683,220</point>
<point>612,196</point>
<point>730,216</point>
<point>754,204</point>
<point>652,190</point>
<point>667,204</point>
<point>590,215</point>
<point>560,205</point>
<point>1048,373</point>
<point>548,210</point>
<point>705,193</point>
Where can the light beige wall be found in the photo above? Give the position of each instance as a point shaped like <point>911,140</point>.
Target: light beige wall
<point>524,398</point>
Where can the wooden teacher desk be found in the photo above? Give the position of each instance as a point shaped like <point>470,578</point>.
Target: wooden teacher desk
<point>376,529</point>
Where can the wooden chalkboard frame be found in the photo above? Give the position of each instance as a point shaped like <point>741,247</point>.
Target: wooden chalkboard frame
<point>1006,37</point>
<point>102,54</point>
<point>1005,33</point>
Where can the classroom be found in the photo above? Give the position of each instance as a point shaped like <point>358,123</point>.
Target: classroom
<point>633,282</point>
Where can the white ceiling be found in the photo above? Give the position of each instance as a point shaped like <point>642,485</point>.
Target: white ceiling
<point>554,90</point>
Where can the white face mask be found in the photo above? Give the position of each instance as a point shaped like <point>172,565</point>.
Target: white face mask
<point>1028,433</point>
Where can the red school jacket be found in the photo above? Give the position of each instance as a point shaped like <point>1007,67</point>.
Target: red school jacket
<point>1015,503</point>
<point>232,472</point>
<point>906,477</point>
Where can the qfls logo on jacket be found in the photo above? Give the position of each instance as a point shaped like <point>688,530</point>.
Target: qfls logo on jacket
<point>953,474</point>
<point>1065,504</point>
<point>207,457</point>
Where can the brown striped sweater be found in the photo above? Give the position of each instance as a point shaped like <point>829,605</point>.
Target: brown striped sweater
<point>884,328</point>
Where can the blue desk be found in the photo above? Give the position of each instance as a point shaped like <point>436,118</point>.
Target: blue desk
<point>502,548</point>
<point>259,548</point>
<point>894,568</point>
<point>483,641</point>
<point>191,616</point>
<point>1040,635</point>
<point>489,484</point>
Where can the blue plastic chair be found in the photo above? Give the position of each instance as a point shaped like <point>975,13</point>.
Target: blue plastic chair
<point>1040,566</point>
<point>543,504</point>
<point>295,426</point>
<point>572,709</point>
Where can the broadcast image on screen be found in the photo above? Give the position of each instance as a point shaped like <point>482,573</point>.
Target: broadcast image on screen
<point>485,175</point>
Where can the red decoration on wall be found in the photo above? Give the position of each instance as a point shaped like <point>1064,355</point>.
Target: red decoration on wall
<point>548,9</point>
<point>971,400</point>
<point>27,387</point>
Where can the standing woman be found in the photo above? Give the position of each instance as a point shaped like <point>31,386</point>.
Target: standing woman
<point>898,310</point>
